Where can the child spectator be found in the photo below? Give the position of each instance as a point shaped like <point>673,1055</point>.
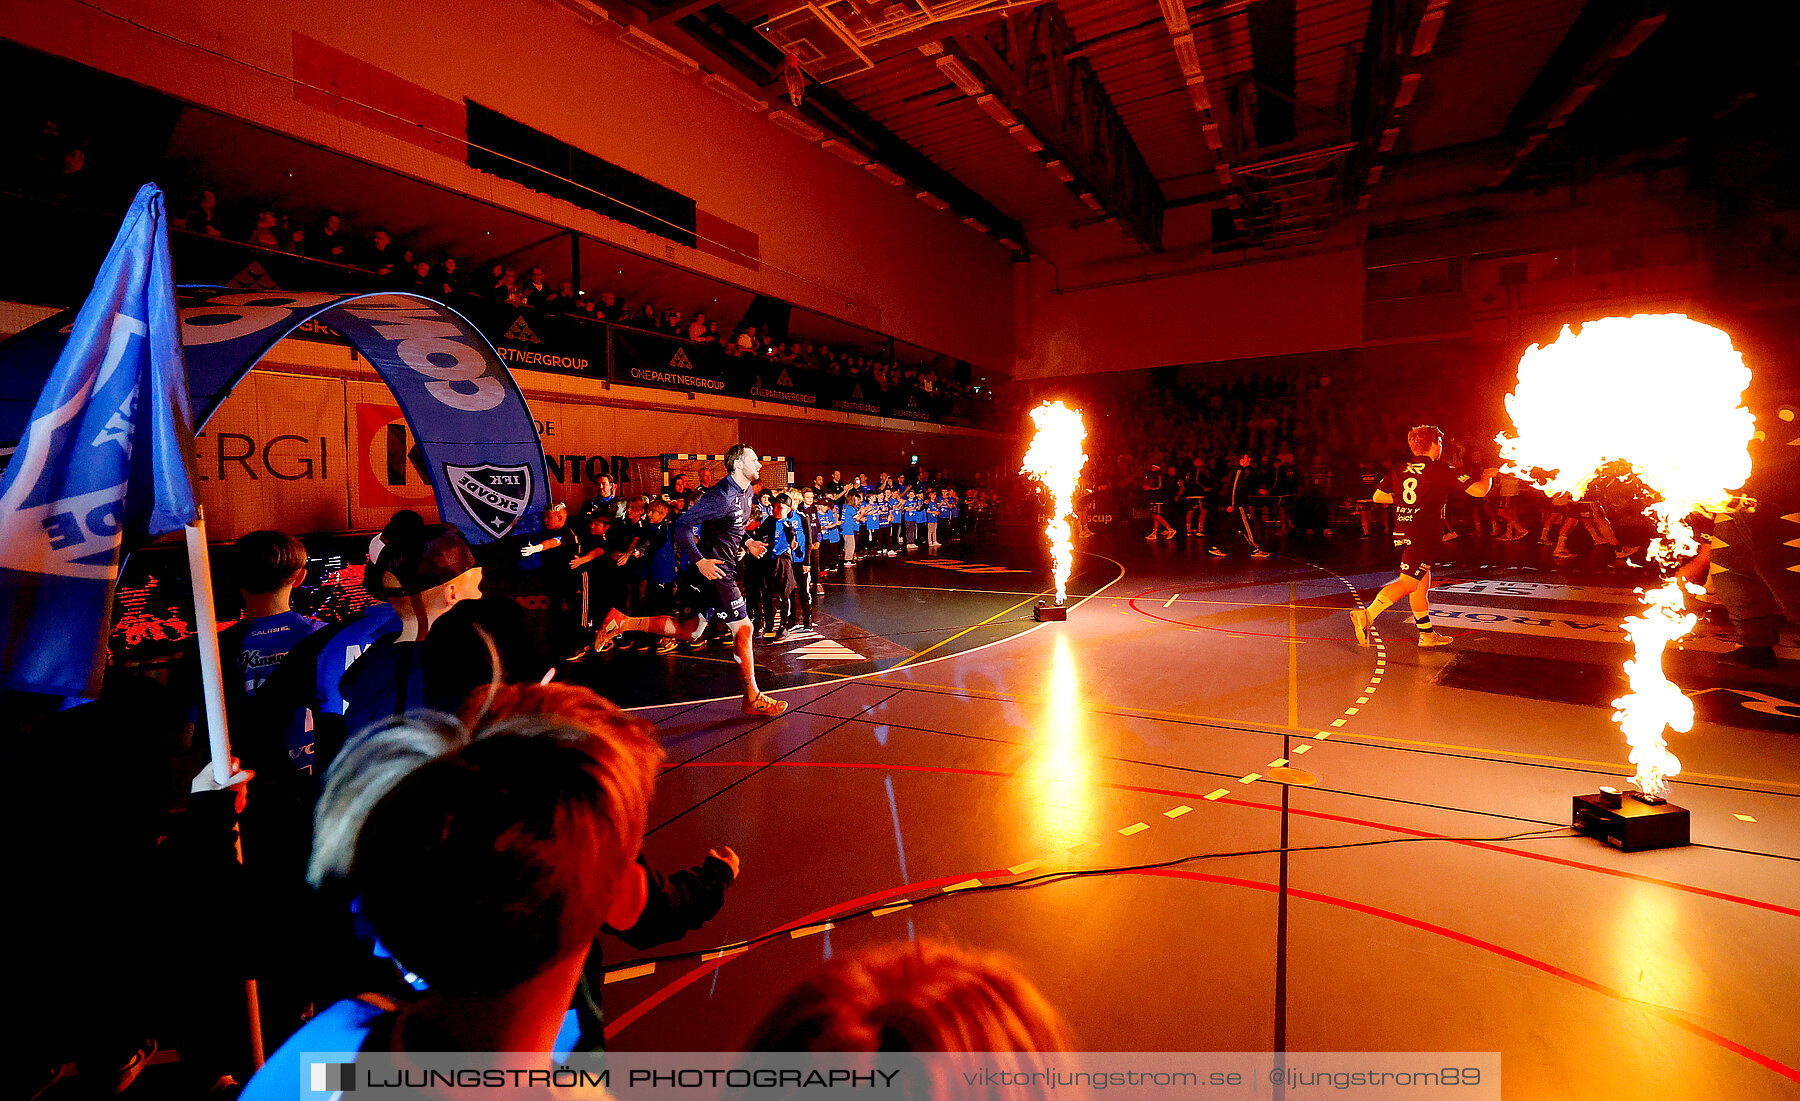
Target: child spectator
<point>489,870</point>
<point>913,996</point>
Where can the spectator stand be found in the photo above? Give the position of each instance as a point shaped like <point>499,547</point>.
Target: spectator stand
<point>653,476</point>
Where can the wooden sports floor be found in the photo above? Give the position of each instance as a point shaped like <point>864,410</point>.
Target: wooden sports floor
<point>1203,818</point>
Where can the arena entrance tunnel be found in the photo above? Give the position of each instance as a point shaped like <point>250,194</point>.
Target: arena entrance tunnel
<point>477,442</point>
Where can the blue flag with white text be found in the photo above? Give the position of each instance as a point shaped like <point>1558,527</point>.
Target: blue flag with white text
<point>103,465</point>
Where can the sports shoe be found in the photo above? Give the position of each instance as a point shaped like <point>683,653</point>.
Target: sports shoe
<point>1151,538</point>
<point>1259,554</point>
<point>1168,533</point>
<point>1434,638</point>
<point>1563,552</point>
<point>1359,619</point>
<point>609,630</point>
<point>765,706</point>
<point>1216,552</point>
<point>666,646</point>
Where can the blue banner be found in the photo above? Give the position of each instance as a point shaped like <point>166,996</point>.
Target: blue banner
<point>475,431</point>
<point>101,465</point>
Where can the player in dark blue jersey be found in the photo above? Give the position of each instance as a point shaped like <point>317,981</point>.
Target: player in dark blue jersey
<point>1418,489</point>
<point>709,537</point>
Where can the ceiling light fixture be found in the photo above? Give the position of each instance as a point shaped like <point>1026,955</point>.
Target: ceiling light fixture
<point>959,75</point>
<point>844,152</point>
<point>883,173</point>
<point>1185,53</point>
<point>659,51</point>
<point>1197,92</point>
<point>720,86</point>
<point>1026,138</point>
<point>794,124</point>
<point>1174,13</point>
<point>996,110</point>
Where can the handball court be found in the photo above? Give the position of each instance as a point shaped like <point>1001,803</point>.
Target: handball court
<point>1204,819</point>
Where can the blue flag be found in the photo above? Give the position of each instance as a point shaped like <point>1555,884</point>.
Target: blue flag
<point>103,465</point>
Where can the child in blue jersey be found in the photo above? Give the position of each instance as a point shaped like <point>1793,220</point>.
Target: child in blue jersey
<point>659,566</point>
<point>887,519</point>
<point>917,515</point>
<point>266,566</point>
<point>831,537</point>
<point>778,580</point>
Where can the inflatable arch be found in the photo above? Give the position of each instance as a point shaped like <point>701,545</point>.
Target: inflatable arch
<point>478,444</point>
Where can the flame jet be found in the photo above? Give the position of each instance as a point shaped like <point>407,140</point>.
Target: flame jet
<point>1664,394</point>
<point>1055,459</point>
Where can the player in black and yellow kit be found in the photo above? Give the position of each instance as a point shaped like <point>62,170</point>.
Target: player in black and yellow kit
<point>1418,490</point>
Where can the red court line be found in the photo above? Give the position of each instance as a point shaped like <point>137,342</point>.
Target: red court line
<point>1546,858</point>
<point>1664,1012</point>
<point>1390,827</point>
<point>687,979</point>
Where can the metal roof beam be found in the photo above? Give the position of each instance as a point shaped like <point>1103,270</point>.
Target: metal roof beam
<point>1598,43</point>
<point>1028,62</point>
<point>757,59</point>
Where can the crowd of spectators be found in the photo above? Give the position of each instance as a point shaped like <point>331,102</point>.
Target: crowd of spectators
<point>373,251</point>
<point>1249,462</point>
<point>52,165</point>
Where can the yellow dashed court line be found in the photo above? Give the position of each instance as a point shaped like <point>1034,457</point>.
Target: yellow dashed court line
<point>811,929</point>
<point>1135,827</point>
<point>1177,812</point>
<point>890,909</point>
<point>963,886</point>
<point>624,973</point>
<point>728,950</point>
<point>1218,793</point>
<point>1279,762</point>
<point>1339,722</point>
<point>1744,817</point>
<point>1250,779</point>
<point>1302,748</point>
<point>1351,710</point>
<point>1028,866</point>
<point>1321,735</point>
<point>1362,699</point>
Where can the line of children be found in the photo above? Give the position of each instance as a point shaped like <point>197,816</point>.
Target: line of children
<point>889,518</point>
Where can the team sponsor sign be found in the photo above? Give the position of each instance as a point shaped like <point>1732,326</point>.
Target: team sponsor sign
<point>649,359</point>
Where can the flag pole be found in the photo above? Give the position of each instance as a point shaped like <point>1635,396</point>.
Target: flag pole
<point>206,636</point>
<point>218,737</point>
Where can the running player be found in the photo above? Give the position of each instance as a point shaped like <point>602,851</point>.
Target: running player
<point>710,536</point>
<point>1418,490</point>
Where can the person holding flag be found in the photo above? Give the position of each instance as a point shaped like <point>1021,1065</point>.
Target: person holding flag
<point>102,467</point>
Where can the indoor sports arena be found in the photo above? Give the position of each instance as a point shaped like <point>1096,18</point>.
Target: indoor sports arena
<point>1037,548</point>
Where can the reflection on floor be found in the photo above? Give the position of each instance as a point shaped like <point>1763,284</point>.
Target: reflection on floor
<point>1193,713</point>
